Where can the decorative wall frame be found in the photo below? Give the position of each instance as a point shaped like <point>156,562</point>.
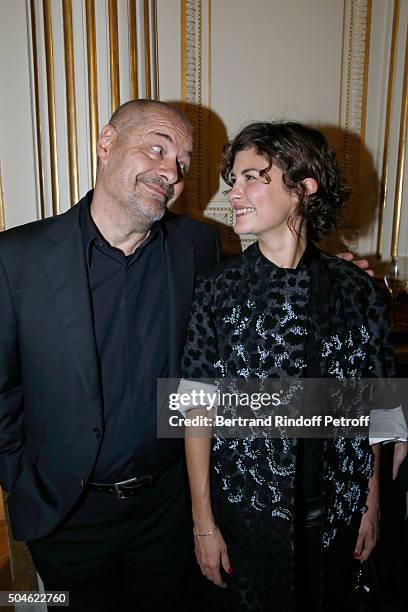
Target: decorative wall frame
<point>195,17</point>
<point>402,146</point>
<point>196,52</point>
<point>356,44</point>
<point>80,42</point>
<point>386,149</point>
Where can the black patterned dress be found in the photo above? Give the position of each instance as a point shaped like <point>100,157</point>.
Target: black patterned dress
<point>251,319</point>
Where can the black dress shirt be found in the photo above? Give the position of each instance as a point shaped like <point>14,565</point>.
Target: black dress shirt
<point>130,309</point>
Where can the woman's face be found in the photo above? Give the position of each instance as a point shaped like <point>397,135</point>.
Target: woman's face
<point>260,207</point>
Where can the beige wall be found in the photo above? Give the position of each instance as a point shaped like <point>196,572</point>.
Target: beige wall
<point>321,61</point>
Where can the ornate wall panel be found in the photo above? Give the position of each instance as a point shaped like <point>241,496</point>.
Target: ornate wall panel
<point>392,226</point>
<point>357,51</point>
<point>195,45</point>
<point>387,125</point>
<point>196,82</point>
<point>196,68</point>
<point>356,43</point>
<point>87,58</point>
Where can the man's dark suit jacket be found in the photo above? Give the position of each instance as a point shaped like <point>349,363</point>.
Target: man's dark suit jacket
<point>51,410</point>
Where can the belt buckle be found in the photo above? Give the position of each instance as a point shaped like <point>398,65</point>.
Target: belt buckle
<point>143,482</point>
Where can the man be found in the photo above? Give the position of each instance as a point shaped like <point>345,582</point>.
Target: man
<point>94,308</point>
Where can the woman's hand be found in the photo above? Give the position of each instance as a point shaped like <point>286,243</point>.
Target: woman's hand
<point>211,554</point>
<point>368,532</point>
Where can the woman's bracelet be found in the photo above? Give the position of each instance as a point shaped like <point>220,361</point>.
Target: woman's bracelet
<point>203,535</point>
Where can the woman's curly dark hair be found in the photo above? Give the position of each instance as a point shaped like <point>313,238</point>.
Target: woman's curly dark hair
<point>300,152</point>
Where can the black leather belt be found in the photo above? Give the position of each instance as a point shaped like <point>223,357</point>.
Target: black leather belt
<point>125,488</point>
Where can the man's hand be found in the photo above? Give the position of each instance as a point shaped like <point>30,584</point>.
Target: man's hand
<point>400,452</point>
<point>363,264</point>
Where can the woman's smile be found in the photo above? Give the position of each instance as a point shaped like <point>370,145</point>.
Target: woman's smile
<point>243,211</point>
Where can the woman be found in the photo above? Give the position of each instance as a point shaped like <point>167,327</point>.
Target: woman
<point>283,519</point>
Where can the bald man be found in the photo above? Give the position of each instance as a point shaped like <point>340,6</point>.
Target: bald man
<point>94,308</point>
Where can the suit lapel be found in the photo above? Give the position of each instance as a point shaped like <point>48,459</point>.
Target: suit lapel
<point>180,269</point>
<point>66,269</point>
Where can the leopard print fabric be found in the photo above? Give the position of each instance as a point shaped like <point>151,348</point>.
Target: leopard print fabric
<point>250,319</point>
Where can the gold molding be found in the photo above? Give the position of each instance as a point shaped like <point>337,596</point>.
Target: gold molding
<point>183,51</point>
<point>209,54</point>
<point>114,54</point>
<point>37,109</point>
<point>343,40</point>
<point>155,76</point>
<point>49,64</point>
<point>357,63</point>
<point>200,55</point>
<point>134,87</point>
<point>195,51</point>
<point>224,208</point>
<point>2,220</point>
<point>366,67</point>
<point>390,95</point>
<point>355,100</point>
<point>396,222</point>
<point>146,24</point>
<point>191,82</point>
<point>71,101</point>
<point>92,83</point>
